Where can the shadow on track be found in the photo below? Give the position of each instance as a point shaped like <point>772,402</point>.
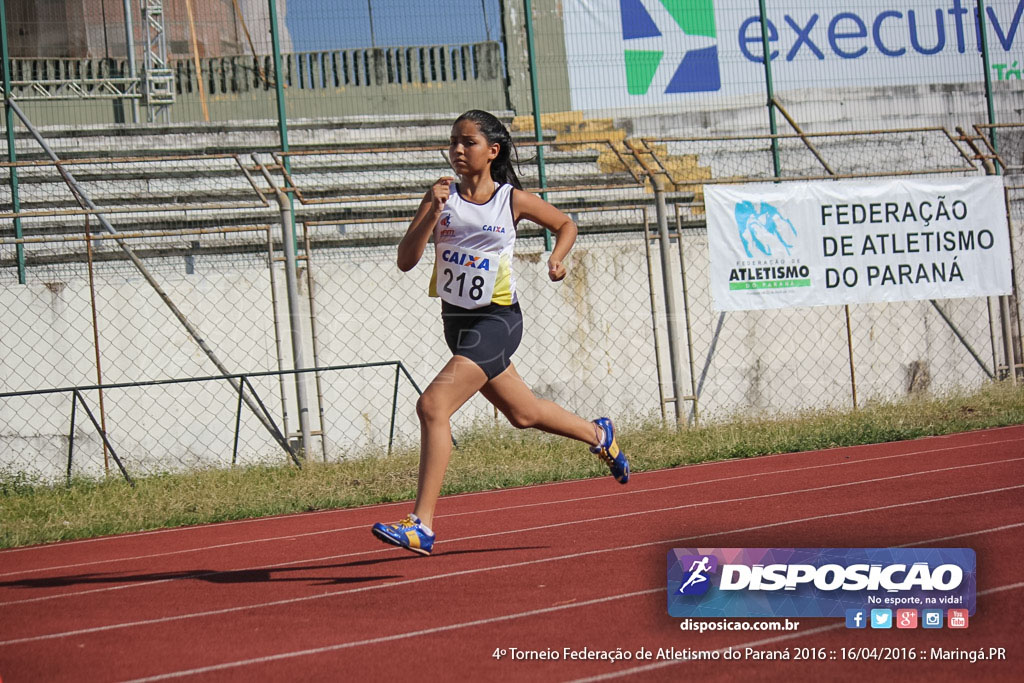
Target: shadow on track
<point>309,573</point>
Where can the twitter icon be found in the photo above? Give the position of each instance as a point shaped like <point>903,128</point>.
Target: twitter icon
<point>881,618</point>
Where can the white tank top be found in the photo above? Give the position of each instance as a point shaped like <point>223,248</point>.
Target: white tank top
<point>473,251</point>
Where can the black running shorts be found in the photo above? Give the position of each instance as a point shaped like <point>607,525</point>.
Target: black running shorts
<point>488,336</point>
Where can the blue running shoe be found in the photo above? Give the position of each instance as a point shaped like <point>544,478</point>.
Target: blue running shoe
<point>407,533</point>
<point>609,451</point>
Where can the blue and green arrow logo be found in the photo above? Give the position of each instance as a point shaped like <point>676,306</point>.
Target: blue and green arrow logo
<point>697,72</point>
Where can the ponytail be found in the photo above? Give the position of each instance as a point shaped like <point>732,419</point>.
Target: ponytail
<point>502,170</point>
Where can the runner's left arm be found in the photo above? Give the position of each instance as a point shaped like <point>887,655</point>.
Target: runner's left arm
<point>533,208</point>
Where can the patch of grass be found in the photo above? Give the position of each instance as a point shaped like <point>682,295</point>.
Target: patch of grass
<point>488,457</point>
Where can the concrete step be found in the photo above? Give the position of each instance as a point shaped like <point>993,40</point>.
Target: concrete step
<point>136,188</point>
<point>385,132</point>
<point>587,206</point>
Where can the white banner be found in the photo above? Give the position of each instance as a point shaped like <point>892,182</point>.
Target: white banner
<point>670,52</point>
<point>847,242</point>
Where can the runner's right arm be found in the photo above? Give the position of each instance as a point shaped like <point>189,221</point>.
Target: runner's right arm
<point>411,248</point>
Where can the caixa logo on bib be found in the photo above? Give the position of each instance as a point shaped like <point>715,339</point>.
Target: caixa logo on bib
<point>817,582</point>
<point>465,259</point>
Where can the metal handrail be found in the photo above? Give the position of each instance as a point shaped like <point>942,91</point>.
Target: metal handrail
<point>243,380</point>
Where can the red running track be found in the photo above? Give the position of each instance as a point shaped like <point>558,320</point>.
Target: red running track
<point>578,565</point>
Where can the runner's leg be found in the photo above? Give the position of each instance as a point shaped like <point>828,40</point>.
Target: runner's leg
<point>454,385</point>
<point>510,394</point>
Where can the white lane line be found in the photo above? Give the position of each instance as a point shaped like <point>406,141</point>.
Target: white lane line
<point>757,643</point>
<point>731,461</point>
<point>61,545</point>
<point>966,534</point>
<point>388,639</point>
<point>479,570</point>
<point>150,556</point>
<point>486,511</point>
<point>491,620</point>
<point>512,531</point>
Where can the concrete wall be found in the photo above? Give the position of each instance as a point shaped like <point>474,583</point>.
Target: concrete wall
<point>834,109</point>
<point>589,345</point>
<point>549,57</point>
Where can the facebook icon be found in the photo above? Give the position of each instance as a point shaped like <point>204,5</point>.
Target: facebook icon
<point>856,618</point>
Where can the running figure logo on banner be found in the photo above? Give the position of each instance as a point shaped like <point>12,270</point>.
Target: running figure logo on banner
<point>752,222</point>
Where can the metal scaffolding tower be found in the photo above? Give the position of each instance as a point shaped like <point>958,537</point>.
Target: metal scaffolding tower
<point>157,77</point>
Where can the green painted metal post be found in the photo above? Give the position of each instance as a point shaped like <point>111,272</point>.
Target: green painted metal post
<point>1004,301</point>
<point>537,128</point>
<point>771,90</point>
<point>282,116</point>
<point>988,79</point>
<point>275,41</point>
<point>12,154</point>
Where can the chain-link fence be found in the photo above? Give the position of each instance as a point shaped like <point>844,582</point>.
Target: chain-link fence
<point>164,62</point>
<point>175,297</point>
<point>186,148</point>
<point>669,66</point>
<point>839,356</point>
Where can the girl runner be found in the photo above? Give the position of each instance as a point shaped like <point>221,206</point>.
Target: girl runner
<point>473,224</point>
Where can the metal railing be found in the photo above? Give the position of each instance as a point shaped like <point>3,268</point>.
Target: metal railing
<point>67,78</point>
<point>242,383</point>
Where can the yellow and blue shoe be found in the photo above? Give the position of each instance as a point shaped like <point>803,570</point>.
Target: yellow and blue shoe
<point>609,451</point>
<point>408,533</point>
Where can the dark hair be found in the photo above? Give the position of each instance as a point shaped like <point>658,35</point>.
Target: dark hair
<point>496,134</point>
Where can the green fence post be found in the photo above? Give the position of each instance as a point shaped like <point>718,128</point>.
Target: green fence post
<point>988,80</point>
<point>1004,301</point>
<point>12,154</point>
<point>771,91</point>
<point>282,116</point>
<point>275,41</point>
<point>537,129</point>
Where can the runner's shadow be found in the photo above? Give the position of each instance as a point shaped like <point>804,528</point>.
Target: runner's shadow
<point>208,575</point>
<point>406,556</point>
<point>445,553</point>
<point>253,575</point>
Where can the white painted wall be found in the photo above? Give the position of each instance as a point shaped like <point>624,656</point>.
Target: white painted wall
<point>588,345</point>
